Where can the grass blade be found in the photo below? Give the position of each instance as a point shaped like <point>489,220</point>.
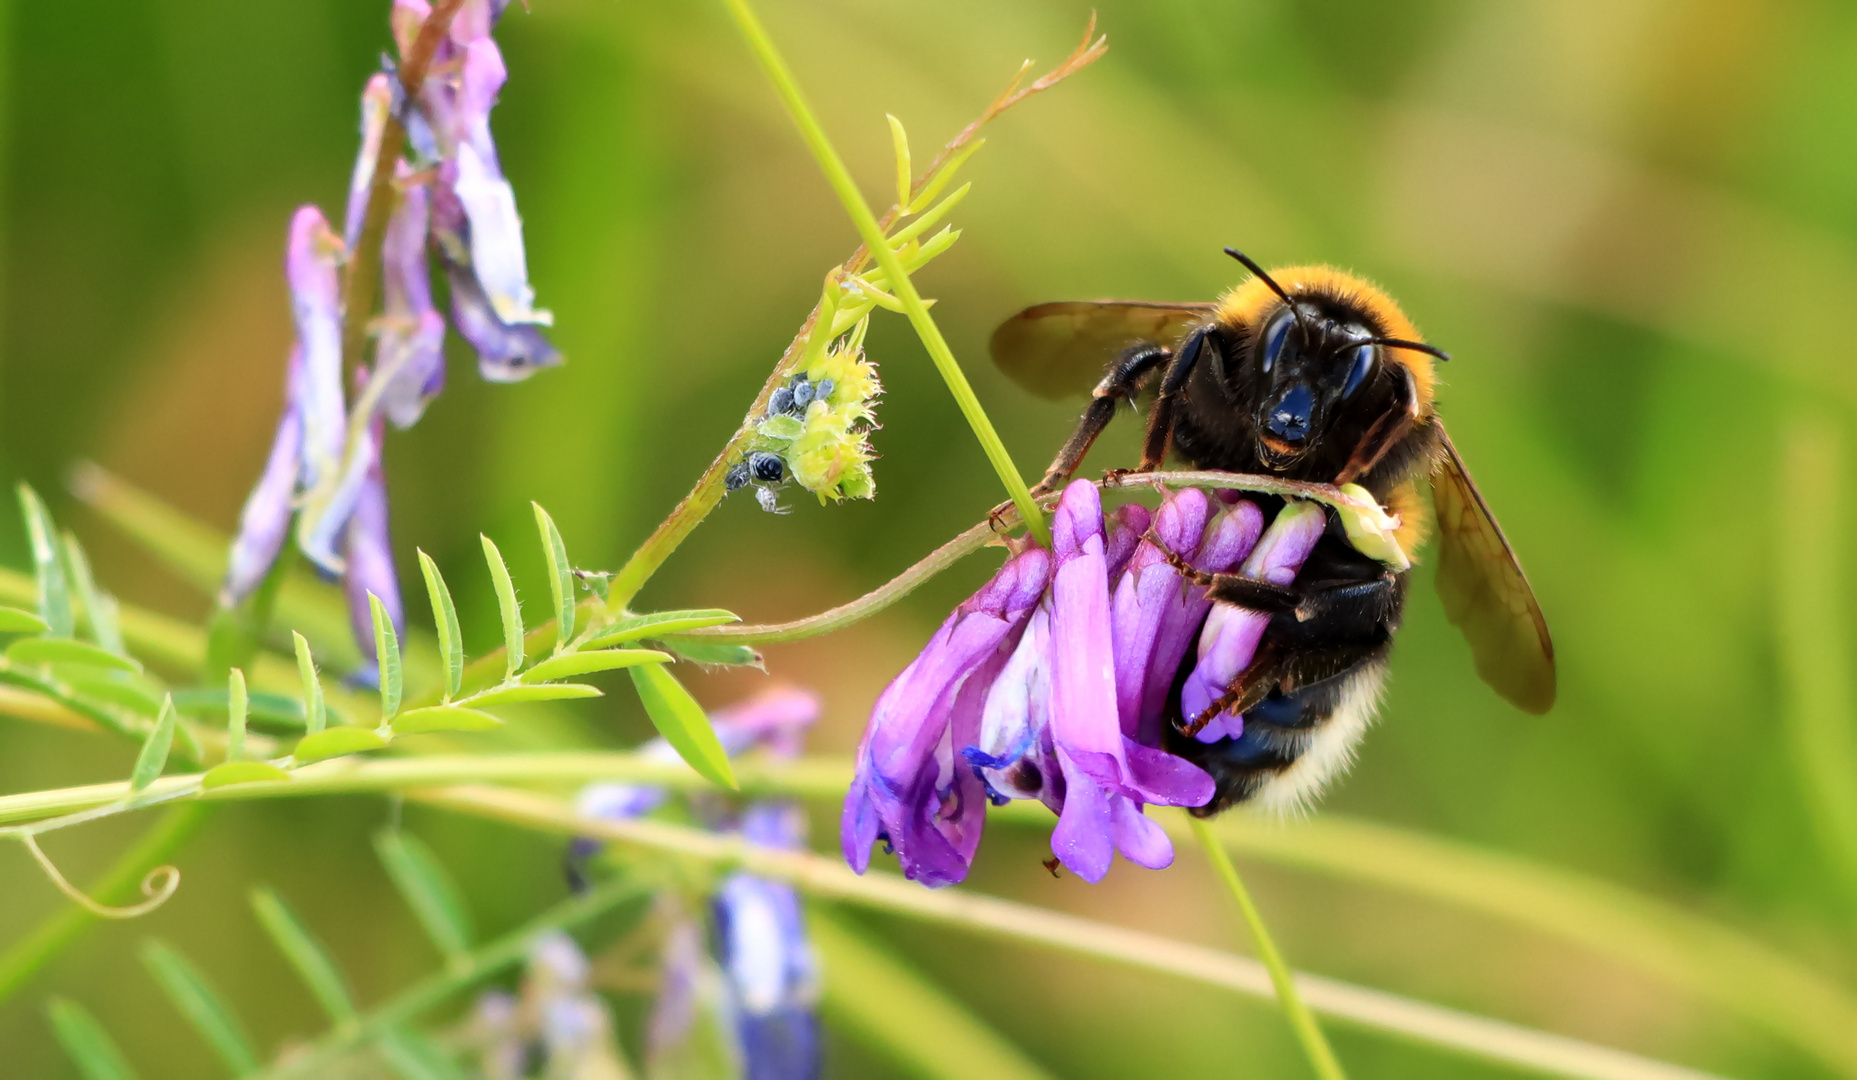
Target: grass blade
<point>201,1005</point>
<point>507,604</point>
<point>879,1000</point>
<point>315,714</point>
<point>445,617</point>
<point>305,954</point>
<point>412,1055</point>
<point>154,755</point>
<point>560,576</point>
<point>682,722</point>
<point>54,590</point>
<point>428,890</point>
<point>89,1047</point>
<point>237,703</point>
<point>387,656</point>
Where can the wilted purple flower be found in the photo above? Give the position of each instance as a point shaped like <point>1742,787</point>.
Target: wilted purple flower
<point>458,200</point>
<point>1063,698</point>
<point>369,558</point>
<point>909,787</point>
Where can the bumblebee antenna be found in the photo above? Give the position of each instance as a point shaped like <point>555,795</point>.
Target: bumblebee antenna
<point>1401,343</point>
<point>1296,312</point>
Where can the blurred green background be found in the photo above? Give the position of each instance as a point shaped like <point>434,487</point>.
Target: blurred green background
<point>1632,222</point>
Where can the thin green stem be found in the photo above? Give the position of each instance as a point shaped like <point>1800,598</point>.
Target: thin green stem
<point>1321,1056</point>
<point>479,965</point>
<point>896,277</point>
<point>29,955</point>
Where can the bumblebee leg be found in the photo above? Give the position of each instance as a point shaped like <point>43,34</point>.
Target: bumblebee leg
<point>1267,669</point>
<point>1245,592</point>
<point>1161,420</point>
<point>1123,380</point>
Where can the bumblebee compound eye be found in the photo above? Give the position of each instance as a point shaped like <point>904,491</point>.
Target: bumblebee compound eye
<point>1276,334</point>
<point>1359,369</point>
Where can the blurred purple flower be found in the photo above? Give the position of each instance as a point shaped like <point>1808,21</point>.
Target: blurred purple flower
<point>369,558</point>
<point>772,972</point>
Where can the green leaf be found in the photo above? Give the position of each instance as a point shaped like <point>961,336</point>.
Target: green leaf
<point>263,708</point>
<point>47,568</point>
<point>201,1005</point>
<point>639,627</point>
<point>878,999</point>
<point>236,704</point>
<point>899,141</point>
<point>783,428</point>
<point>445,618</point>
<point>228,773</point>
<point>99,606</point>
<point>443,718</point>
<point>387,656</point>
<point>305,954</point>
<point>315,716</point>
<point>592,660</point>
<point>428,890</point>
<point>412,1055</point>
<point>560,575</point>
<point>713,652</point>
<point>107,687</point>
<point>67,650</point>
<point>89,1047</point>
<point>681,721</point>
<point>506,603</point>
<point>517,695</point>
<point>154,755</point>
<point>336,742</point>
<point>20,621</point>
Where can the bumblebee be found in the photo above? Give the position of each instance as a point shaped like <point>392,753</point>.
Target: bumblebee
<point>1305,373</point>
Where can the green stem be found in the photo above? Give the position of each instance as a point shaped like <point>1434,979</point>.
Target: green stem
<point>894,274</point>
<point>481,964</point>
<point>1302,1021</point>
<point>28,956</point>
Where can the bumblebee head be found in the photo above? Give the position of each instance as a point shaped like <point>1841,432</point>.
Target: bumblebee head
<point>1316,354</point>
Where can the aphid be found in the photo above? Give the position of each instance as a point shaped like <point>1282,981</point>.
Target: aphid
<point>1309,374</point>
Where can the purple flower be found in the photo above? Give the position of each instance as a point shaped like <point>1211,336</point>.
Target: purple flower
<point>369,559</point>
<point>409,349</point>
<point>908,788</point>
<point>265,519</point>
<point>1062,696</point>
<point>772,973</point>
<point>1229,639</point>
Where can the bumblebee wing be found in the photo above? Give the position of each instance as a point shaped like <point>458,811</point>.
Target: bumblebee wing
<point>1061,350</point>
<point>1485,593</point>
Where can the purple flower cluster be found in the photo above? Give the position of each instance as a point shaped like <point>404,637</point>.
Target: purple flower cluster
<point>752,1004</point>
<point>1053,682</point>
<point>324,467</point>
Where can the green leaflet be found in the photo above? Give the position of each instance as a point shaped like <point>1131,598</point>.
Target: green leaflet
<point>713,652</point>
<point>387,656</point>
<point>516,695</point>
<point>682,722</point>
<point>47,568</point>
<point>236,703</point>
<point>560,575</point>
<point>20,621</point>
<point>315,716</point>
<point>68,650</point>
<point>445,618</point>
<point>427,889</point>
<point>154,755</point>
<point>204,1009</point>
<point>443,718</point>
<point>337,742</point>
<point>592,660</point>
<point>639,627</point>
<point>507,604</point>
<point>305,954</point>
